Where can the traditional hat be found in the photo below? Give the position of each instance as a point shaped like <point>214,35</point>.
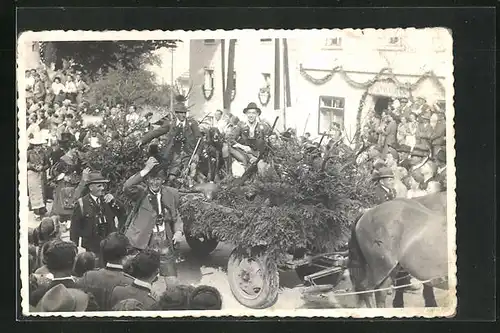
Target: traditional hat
<point>157,171</point>
<point>180,108</point>
<point>62,299</point>
<point>96,178</point>
<point>441,155</point>
<point>382,173</point>
<point>252,106</point>
<point>420,150</point>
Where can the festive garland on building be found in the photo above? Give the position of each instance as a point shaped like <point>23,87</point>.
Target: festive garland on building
<point>384,72</point>
<point>209,97</point>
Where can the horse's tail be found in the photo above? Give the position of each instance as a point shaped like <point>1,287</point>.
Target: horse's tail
<point>357,264</point>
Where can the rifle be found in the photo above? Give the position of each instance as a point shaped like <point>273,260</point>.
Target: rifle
<point>253,167</point>
<point>186,170</point>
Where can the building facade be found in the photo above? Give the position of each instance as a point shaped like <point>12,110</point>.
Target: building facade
<point>322,80</point>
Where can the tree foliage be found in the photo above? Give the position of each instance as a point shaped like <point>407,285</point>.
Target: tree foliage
<point>128,87</point>
<point>298,205</point>
<point>94,57</point>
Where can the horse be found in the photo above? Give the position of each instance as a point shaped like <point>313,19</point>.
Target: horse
<point>402,234</point>
<point>211,161</point>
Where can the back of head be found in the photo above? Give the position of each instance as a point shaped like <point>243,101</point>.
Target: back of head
<point>129,304</point>
<point>114,247</point>
<point>84,262</point>
<point>47,229</point>
<point>60,256</point>
<point>205,298</point>
<point>145,264</point>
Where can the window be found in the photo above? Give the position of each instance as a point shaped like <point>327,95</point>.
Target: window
<point>34,47</point>
<point>266,40</point>
<point>330,111</point>
<point>333,42</point>
<point>209,41</point>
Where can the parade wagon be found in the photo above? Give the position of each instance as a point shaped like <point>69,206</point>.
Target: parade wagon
<point>298,220</point>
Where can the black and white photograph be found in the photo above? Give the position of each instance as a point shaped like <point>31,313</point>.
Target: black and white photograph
<point>297,173</point>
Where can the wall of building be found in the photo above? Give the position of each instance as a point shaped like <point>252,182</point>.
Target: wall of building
<point>361,55</point>
<point>30,52</point>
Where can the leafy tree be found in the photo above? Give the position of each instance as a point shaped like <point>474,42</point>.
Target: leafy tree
<point>94,57</point>
<point>128,87</point>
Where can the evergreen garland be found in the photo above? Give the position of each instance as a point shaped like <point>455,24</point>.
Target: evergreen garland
<point>295,205</point>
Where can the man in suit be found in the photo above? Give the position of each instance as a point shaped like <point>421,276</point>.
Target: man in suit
<point>155,220</point>
<point>404,156</point>
<point>389,133</point>
<point>102,282</point>
<point>182,134</point>
<point>95,215</point>
<point>145,266</point>
<point>437,133</point>
<point>385,180</point>
<point>441,168</point>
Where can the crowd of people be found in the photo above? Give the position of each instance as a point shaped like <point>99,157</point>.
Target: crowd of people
<point>115,253</point>
<point>405,148</point>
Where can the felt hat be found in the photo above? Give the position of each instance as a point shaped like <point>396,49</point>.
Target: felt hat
<point>96,178</point>
<point>62,299</point>
<point>252,106</point>
<point>205,298</point>
<point>180,108</point>
<point>382,173</point>
<point>420,150</point>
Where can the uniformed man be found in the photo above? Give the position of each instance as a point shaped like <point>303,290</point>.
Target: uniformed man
<point>384,190</point>
<point>155,221</point>
<point>253,136</point>
<point>144,268</point>
<point>182,135</point>
<point>95,215</point>
<point>102,282</point>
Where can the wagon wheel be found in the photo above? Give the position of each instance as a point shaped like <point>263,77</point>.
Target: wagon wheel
<point>201,245</point>
<point>254,280</point>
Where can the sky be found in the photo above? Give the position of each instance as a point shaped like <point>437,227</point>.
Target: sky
<point>181,62</point>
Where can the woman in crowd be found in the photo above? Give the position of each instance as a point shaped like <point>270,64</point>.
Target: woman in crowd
<point>58,89</point>
<point>38,163</point>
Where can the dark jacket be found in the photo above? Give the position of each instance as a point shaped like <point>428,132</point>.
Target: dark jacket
<point>390,133</point>
<point>133,291</point>
<point>262,130</point>
<point>85,224</point>
<point>189,134</point>
<point>101,283</point>
<point>143,219</point>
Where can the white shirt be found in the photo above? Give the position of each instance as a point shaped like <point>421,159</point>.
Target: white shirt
<point>70,87</point>
<point>252,127</point>
<point>159,228</point>
<point>30,81</point>
<point>179,123</point>
<point>57,87</point>
<point>96,199</point>
<point>110,265</point>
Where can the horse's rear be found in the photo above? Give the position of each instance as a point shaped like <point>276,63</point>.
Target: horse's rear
<point>397,234</point>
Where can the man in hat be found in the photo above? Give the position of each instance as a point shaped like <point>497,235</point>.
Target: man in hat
<point>385,180</point>
<point>253,135</point>
<point>95,215</point>
<point>419,156</point>
<point>155,220</point>
<point>182,135</point>
<point>436,134</point>
<point>441,168</point>
<point>404,156</point>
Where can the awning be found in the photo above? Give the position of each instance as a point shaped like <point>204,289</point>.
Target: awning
<point>388,89</point>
